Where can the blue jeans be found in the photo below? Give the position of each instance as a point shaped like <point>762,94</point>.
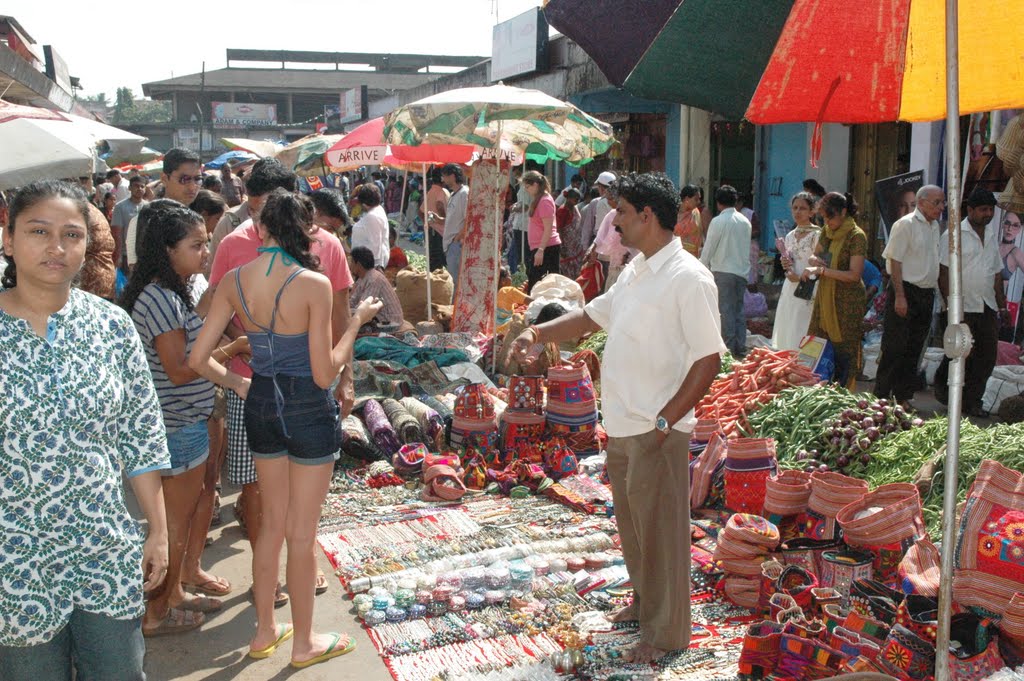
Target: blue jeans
<point>730,309</point>
<point>305,426</point>
<point>100,647</point>
<point>516,250</point>
<point>453,258</point>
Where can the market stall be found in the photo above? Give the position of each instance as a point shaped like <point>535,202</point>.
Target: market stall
<point>471,524</point>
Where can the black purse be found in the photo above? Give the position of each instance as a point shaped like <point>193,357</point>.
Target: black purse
<point>805,289</point>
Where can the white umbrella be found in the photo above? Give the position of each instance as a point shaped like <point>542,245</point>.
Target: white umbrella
<point>40,144</point>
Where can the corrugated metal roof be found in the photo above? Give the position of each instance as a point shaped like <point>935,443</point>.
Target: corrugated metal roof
<point>284,80</point>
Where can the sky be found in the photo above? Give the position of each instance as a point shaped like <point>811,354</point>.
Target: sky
<point>129,44</point>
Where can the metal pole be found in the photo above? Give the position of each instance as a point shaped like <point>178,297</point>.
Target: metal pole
<point>401,202</point>
<point>956,340</point>
<point>426,244</point>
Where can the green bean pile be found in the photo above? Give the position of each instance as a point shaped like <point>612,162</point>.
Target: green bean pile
<point>796,418</point>
<point>595,342</point>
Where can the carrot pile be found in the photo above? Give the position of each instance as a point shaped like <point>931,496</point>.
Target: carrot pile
<point>752,383</point>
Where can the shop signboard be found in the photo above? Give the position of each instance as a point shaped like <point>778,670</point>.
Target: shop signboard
<point>519,46</point>
<point>243,114</point>
<point>353,105</point>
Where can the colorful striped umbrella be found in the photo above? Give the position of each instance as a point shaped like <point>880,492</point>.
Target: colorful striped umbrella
<point>787,61</point>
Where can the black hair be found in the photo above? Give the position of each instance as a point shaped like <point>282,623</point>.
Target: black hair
<point>392,231</point>
<point>804,196</point>
<point>177,157</point>
<point>109,195</point>
<point>981,197</point>
<point>549,312</point>
<point>814,187</point>
<point>32,194</point>
<point>162,225</point>
<point>654,190</point>
<point>363,257</point>
<point>593,193</point>
<point>834,203</point>
<point>137,179</point>
<point>268,174</point>
<point>454,169</point>
<point>434,175</point>
<point>573,194</point>
<point>288,217</point>
<point>689,191</point>
<point>211,181</point>
<point>331,203</point>
<point>369,195</point>
<point>113,172</point>
<point>727,196</point>
<point>504,273</point>
<point>208,203</point>
<point>576,178</point>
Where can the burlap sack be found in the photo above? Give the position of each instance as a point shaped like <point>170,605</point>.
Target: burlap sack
<point>411,286</point>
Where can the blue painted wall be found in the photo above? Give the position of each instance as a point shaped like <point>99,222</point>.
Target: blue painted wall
<point>786,158</point>
<point>672,168</point>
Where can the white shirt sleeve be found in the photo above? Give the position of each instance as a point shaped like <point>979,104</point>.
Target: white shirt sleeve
<point>702,330</point>
<point>711,243</point>
<point>129,241</point>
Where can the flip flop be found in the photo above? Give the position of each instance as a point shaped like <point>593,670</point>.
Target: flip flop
<point>332,651</point>
<point>210,587</point>
<point>203,604</point>
<point>280,598</point>
<point>284,632</point>
<point>321,583</point>
<point>176,621</point>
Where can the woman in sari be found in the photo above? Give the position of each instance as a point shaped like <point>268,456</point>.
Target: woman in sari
<point>689,228</point>
<point>568,221</point>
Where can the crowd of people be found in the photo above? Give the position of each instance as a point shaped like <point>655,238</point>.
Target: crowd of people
<point>229,346</point>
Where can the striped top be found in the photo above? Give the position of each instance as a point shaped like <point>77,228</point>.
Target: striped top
<point>158,311</point>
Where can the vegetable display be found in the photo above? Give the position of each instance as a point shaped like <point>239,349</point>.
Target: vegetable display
<point>752,383</point>
<point>847,443</point>
<point>794,419</point>
<point>595,342</point>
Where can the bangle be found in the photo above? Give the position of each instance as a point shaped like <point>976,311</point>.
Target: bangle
<point>226,355</point>
<point>536,333</point>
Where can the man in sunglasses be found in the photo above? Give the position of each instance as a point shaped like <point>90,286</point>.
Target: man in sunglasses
<point>182,179</point>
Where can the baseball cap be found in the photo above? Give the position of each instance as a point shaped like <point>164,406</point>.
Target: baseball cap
<point>606,178</point>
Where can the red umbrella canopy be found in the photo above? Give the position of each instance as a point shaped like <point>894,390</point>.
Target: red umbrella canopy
<point>365,146</point>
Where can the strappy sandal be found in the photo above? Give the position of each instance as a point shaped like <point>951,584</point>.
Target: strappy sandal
<point>280,597</point>
<point>321,583</point>
<point>176,621</point>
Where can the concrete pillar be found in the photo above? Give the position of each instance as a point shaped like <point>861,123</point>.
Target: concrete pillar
<point>291,114</point>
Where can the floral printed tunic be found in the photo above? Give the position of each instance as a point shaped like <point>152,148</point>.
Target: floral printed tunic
<point>78,408</point>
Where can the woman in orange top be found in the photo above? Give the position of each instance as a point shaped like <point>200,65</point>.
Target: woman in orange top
<point>689,228</point>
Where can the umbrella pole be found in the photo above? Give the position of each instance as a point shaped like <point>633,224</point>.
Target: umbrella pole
<point>426,244</point>
<point>956,342</point>
<point>401,202</point>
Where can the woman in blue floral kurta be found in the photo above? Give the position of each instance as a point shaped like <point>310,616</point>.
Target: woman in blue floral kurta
<point>79,408</point>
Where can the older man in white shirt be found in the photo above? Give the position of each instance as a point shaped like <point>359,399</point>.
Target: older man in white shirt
<point>912,261</point>
<point>662,354</point>
<point>371,230</point>
<point>727,254</point>
<point>984,297</point>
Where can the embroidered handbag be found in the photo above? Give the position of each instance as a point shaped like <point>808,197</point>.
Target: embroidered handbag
<point>520,429</point>
<point>886,521</point>
<point>919,570</point>
<point>476,473</point>
<point>526,393</point>
<point>559,460</point>
<point>443,483</point>
<point>807,553</point>
<point>702,469</point>
<point>749,462</point>
<point>408,460</point>
<point>572,408</point>
<point>871,597</point>
<point>830,492</point>
<point>840,569</point>
<point>759,655</point>
<point>907,656</point>
<point>990,547</point>
<point>785,497</point>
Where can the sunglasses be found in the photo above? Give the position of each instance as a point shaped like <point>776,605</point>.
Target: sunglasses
<point>189,179</point>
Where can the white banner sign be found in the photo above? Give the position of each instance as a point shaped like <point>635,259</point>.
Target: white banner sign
<point>519,45</point>
<point>243,115</point>
<point>358,156</point>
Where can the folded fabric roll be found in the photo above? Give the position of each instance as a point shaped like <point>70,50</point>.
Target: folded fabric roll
<point>383,434</point>
<point>443,410</point>
<point>357,442</point>
<point>405,424</point>
<point>430,421</point>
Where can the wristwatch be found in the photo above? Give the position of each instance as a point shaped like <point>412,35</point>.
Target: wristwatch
<point>662,425</point>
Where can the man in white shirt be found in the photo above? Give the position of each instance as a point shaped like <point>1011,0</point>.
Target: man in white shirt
<point>983,294</point>
<point>601,209</point>
<point>520,212</point>
<point>454,221</point>
<point>371,230</point>
<point>575,183</point>
<point>912,261</point>
<point>727,254</point>
<point>662,354</point>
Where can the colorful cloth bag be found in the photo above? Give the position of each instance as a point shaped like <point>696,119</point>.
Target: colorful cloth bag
<point>526,393</point>
<point>990,547</point>
<point>830,492</point>
<point>702,469</point>
<point>474,423</point>
<point>749,462</point>
<point>785,497</point>
<point>572,408</point>
<point>887,522</point>
<point>519,429</point>
<point>918,572</point>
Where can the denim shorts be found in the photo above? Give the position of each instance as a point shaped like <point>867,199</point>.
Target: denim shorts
<point>306,427</point>
<point>189,447</point>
